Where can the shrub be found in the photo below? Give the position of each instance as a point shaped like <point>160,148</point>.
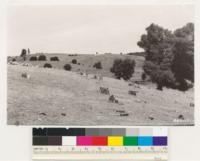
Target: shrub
<point>67,67</point>
<point>33,58</point>
<point>13,59</point>
<point>47,65</point>
<point>23,52</point>
<point>123,68</point>
<point>73,54</point>
<point>74,61</point>
<point>55,58</point>
<point>97,65</point>
<point>42,58</point>
<point>143,76</point>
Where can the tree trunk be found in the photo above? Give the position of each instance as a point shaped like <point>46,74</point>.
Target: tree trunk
<point>159,87</point>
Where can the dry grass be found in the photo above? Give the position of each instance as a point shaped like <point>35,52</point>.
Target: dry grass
<point>86,62</point>
<point>58,97</point>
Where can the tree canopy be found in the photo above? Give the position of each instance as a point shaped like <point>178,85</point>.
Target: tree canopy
<point>169,59</point>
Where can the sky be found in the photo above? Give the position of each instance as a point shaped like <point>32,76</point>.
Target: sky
<point>87,29</point>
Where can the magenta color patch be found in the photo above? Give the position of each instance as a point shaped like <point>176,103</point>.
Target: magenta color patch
<point>84,140</point>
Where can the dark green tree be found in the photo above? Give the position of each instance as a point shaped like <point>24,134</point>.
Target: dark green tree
<point>169,56</point>
<point>28,51</point>
<point>23,54</point>
<point>183,63</point>
<point>123,68</point>
<point>97,65</point>
<point>158,45</point>
<point>74,61</point>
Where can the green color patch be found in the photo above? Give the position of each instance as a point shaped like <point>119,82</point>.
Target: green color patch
<point>130,141</point>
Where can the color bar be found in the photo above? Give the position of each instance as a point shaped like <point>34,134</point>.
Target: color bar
<point>130,141</point>
<point>160,131</point>
<point>115,140</point>
<point>145,132</point>
<point>118,132</point>
<point>92,132</point>
<point>160,141</point>
<point>145,141</point>
<point>100,136</point>
<point>69,140</point>
<point>55,140</point>
<point>105,132</point>
<point>66,132</point>
<point>56,131</point>
<point>40,140</point>
<point>39,132</point>
<point>99,141</point>
<point>84,140</point>
<point>132,132</point>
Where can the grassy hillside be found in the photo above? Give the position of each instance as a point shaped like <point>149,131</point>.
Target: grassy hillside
<point>86,62</point>
<point>58,97</point>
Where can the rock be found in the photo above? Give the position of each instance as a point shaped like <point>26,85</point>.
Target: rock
<point>95,77</point>
<point>42,113</point>
<point>138,101</point>
<point>181,117</point>
<point>113,99</point>
<point>120,111</point>
<point>25,75</point>
<point>151,118</point>
<point>104,90</point>
<point>63,114</point>
<point>17,123</point>
<point>124,114</point>
<point>191,104</point>
<point>132,92</point>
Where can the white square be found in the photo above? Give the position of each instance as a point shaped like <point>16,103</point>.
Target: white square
<point>160,132</point>
<point>69,140</point>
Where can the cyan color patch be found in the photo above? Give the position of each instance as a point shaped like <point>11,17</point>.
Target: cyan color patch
<point>145,141</point>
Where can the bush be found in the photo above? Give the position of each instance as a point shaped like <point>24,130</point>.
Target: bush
<point>67,67</point>
<point>33,58</point>
<point>97,65</point>
<point>123,68</point>
<point>73,54</point>
<point>23,54</point>
<point>42,58</point>
<point>143,76</point>
<point>55,58</point>
<point>47,65</point>
<point>74,61</point>
<point>13,59</point>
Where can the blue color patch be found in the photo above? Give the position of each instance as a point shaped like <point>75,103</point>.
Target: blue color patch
<point>145,141</point>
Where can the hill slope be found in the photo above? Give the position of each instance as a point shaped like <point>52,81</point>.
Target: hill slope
<point>58,97</point>
<point>86,62</point>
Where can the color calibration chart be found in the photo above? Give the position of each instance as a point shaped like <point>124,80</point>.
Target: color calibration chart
<point>131,144</point>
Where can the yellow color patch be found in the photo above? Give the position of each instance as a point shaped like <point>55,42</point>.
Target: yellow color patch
<point>115,140</point>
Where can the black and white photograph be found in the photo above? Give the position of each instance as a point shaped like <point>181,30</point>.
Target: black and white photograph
<point>95,65</point>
